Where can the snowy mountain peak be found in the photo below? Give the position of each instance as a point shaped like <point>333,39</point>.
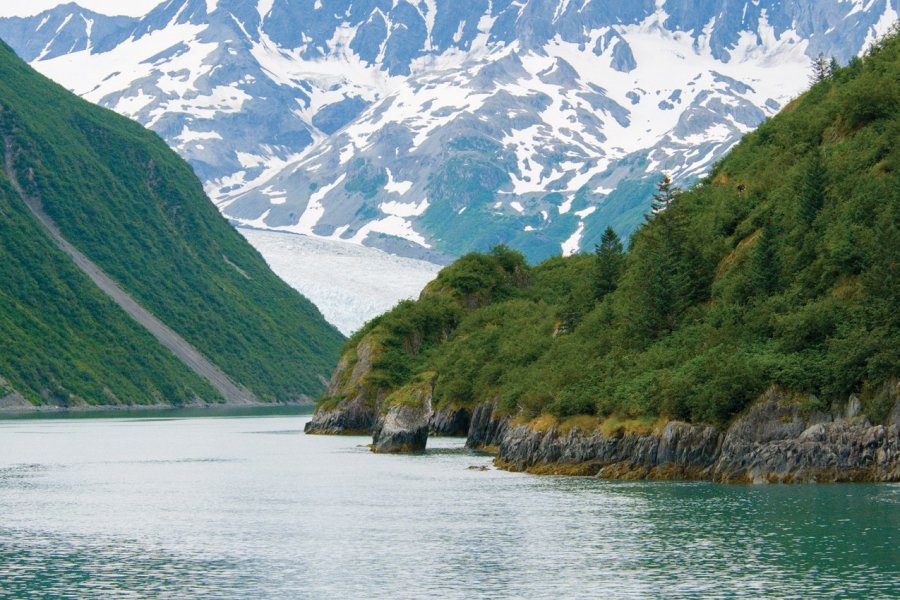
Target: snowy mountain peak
<point>434,127</point>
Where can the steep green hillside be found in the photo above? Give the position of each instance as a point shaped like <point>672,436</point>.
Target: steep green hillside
<point>63,341</point>
<point>781,267</point>
<point>131,205</point>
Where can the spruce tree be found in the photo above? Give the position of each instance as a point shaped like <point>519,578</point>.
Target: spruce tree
<point>665,195</point>
<point>609,259</point>
<point>833,66</point>
<point>764,264</point>
<point>821,69</point>
<point>812,189</point>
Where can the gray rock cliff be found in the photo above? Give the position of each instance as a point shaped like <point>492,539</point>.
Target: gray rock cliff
<point>778,440</point>
<point>403,429</point>
<point>450,421</point>
<point>353,406</point>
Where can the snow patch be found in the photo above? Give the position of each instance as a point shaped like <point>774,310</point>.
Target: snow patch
<point>187,136</point>
<point>398,187</point>
<point>573,244</point>
<point>404,209</point>
<point>314,208</point>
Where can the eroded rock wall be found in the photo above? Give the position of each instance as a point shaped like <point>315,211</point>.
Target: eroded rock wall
<point>778,439</point>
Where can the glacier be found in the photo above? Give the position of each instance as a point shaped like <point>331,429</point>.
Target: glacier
<point>350,284</point>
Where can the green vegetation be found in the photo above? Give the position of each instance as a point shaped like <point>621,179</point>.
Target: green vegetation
<point>63,341</point>
<point>129,203</point>
<point>781,267</point>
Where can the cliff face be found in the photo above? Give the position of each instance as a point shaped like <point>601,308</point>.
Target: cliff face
<point>778,439</point>
<point>404,428</point>
<point>355,405</point>
<point>775,440</point>
<point>488,427</point>
<point>778,443</point>
<point>450,421</point>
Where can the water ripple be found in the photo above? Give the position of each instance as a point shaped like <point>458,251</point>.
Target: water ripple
<point>199,509</point>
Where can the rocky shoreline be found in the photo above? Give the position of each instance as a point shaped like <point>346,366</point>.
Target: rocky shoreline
<point>773,442</point>
<point>779,439</point>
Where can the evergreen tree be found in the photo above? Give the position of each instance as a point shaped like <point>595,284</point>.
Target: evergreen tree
<point>665,195</point>
<point>833,67</point>
<point>812,189</point>
<point>609,260</point>
<point>821,68</point>
<point>662,280</point>
<point>764,264</point>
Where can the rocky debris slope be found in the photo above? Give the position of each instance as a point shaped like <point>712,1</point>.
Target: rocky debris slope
<point>10,399</point>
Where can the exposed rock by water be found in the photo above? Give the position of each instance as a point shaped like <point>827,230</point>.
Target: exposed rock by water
<point>487,427</point>
<point>10,399</point>
<point>778,439</point>
<point>450,421</point>
<point>355,407</point>
<point>680,450</point>
<point>404,428</point>
<point>776,442</point>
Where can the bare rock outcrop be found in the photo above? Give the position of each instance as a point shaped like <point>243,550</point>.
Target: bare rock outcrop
<point>351,405</point>
<point>779,439</point>
<point>404,427</point>
<point>450,421</point>
<point>10,399</point>
<point>487,427</point>
<point>678,450</point>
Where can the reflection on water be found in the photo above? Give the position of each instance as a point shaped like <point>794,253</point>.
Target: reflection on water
<point>251,507</point>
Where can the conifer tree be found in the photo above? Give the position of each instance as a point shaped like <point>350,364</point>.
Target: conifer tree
<point>609,259</point>
<point>821,68</point>
<point>812,189</point>
<point>764,264</point>
<point>833,66</point>
<point>665,195</point>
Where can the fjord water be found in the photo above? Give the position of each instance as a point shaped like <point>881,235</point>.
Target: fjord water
<point>249,507</point>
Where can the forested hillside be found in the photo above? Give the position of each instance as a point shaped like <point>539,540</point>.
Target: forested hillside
<point>780,267</point>
<point>124,199</point>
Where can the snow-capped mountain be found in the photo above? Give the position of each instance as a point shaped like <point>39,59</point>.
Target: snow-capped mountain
<point>432,127</point>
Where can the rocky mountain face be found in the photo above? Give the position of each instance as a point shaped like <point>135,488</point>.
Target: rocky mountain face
<point>429,128</point>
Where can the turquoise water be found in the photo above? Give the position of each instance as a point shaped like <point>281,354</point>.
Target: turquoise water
<point>249,507</point>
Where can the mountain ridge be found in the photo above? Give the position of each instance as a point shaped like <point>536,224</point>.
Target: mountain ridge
<point>355,89</point>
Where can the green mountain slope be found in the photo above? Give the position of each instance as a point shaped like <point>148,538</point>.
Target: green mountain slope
<point>135,209</point>
<point>781,267</point>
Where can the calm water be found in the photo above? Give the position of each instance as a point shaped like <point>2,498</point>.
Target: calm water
<point>248,507</point>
